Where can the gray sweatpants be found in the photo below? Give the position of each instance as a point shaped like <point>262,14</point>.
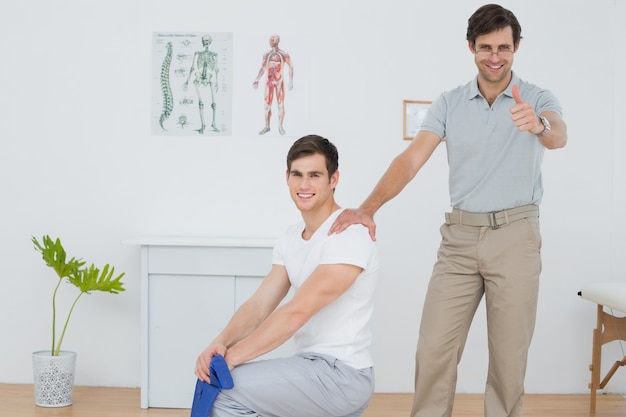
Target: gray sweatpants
<point>308,385</point>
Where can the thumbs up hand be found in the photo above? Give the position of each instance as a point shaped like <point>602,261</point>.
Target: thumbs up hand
<point>523,114</point>
<point>516,96</point>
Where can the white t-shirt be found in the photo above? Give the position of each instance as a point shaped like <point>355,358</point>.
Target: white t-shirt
<point>342,328</point>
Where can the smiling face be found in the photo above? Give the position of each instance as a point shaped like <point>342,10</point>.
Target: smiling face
<point>494,69</point>
<point>310,186</point>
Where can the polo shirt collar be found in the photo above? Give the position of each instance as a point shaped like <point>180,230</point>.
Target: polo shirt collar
<point>474,92</point>
<point>509,88</point>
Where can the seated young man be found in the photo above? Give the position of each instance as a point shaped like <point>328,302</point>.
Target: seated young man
<point>334,278</point>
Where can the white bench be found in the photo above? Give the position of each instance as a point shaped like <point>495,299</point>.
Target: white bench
<point>609,327</point>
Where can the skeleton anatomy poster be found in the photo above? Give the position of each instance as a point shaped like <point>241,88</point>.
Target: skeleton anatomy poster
<point>192,84</point>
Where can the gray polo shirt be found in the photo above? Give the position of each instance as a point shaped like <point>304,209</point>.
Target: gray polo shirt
<point>492,165</point>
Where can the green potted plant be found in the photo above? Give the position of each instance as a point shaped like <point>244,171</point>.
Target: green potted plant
<point>53,369</point>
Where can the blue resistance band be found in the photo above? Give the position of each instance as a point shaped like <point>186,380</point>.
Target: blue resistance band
<point>206,393</point>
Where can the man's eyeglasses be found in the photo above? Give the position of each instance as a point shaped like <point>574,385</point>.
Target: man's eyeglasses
<point>486,52</point>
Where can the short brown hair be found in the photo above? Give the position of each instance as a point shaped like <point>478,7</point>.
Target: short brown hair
<point>310,145</point>
<point>492,17</point>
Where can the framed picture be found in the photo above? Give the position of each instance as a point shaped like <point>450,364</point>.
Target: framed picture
<point>413,115</point>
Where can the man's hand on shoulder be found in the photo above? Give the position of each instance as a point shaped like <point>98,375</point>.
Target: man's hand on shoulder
<point>353,216</point>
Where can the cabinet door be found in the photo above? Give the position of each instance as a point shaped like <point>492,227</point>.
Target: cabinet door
<point>185,313</point>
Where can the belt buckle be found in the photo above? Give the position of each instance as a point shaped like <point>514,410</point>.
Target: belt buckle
<point>493,221</point>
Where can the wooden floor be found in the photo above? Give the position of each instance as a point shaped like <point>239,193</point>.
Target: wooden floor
<point>18,401</point>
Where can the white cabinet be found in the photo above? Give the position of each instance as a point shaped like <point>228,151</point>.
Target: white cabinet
<point>190,289</point>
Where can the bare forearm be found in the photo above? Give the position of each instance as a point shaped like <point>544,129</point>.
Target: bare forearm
<point>244,322</point>
<point>402,170</point>
<point>557,137</point>
<point>391,183</point>
<point>273,332</point>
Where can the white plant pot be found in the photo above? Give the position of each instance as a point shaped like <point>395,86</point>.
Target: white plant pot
<point>53,378</point>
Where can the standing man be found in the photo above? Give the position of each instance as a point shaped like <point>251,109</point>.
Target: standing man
<point>274,62</point>
<point>334,277</point>
<point>496,129</point>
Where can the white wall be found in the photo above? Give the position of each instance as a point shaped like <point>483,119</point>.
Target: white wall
<point>77,161</point>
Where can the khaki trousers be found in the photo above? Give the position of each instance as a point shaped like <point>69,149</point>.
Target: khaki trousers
<point>502,263</point>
